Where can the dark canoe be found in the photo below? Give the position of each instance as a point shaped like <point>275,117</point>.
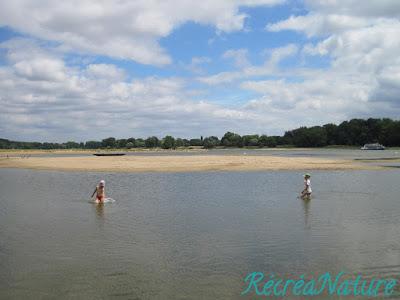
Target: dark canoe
<point>108,154</point>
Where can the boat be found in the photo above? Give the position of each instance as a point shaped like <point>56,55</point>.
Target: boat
<point>108,154</point>
<point>374,146</point>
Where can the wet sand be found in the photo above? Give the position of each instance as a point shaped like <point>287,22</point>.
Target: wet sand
<point>180,163</point>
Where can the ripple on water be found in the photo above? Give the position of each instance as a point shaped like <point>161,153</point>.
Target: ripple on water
<point>178,235</point>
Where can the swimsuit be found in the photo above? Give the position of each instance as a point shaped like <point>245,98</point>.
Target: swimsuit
<point>100,194</point>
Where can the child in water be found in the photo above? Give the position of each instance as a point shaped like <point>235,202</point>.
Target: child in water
<point>306,193</point>
<point>100,192</point>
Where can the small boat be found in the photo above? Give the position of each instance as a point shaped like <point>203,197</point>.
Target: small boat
<point>108,154</point>
<point>374,146</point>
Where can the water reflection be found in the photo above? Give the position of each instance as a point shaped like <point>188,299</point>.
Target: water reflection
<point>189,235</point>
<point>99,210</point>
<point>306,203</point>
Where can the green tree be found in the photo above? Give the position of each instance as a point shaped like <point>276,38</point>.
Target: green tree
<point>109,142</point>
<point>210,142</point>
<point>130,145</point>
<point>270,142</point>
<point>132,141</point>
<point>250,140</point>
<point>168,142</point>
<point>231,139</point>
<point>331,134</point>
<point>357,132</point>
<point>262,140</point>
<point>139,143</point>
<point>179,142</point>
<point>374,129</point>
<point>121,143</point>
<point>308,137</point>
<point>47,146</point>
<point>152,142</point>
<point>71,145</point>
<point>196,142</point>
<point>393,134</point>
<point>186,142</point>
<point>93,145</point>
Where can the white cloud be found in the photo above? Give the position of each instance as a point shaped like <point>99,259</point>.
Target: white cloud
<point>97,101</point>
<point>319,24</point>
<point>270,66</point>
<point>41,69</point>
<point>316,93</point>
<point>370,8</point>
<point>196,64</point>
<point>334,17</point>
<point>239,56</point>
<point>362,40</point>
<point>120,29</point>
<point>387,89</point>
<point>44,97</point>
<point>279,54</point>
<point>106,71</point>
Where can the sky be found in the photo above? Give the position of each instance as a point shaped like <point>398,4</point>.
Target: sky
<point>86,69</point>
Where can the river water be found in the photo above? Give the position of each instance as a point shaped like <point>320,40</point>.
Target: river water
<point>190,235</point>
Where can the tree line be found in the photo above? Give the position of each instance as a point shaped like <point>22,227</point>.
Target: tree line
<point>355,132</point>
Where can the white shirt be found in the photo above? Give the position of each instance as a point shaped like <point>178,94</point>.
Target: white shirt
<point>307,182</point>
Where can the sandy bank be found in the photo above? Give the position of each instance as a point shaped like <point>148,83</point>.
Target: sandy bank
<point>179,163</point>
<point>19,152</point>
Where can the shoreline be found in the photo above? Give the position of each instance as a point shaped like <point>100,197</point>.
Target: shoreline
<point>4,152</point>
<point>193,149</point>
<point>175,163</point>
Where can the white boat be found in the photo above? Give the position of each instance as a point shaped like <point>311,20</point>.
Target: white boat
<point>374,146</point>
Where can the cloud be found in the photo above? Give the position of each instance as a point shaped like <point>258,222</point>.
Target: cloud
<point>316,93</point>
<point>196,64</point>
<point>371,8</point>
<point>239,56</point>
<point>322,98</point>
<point>120,29</point>
<point>334,17</point>
<point>105,71</point>
<point>46,96</point>
<point>270,66</point>
<point>41,69</point>
<point>387,89</point>
<point>362,42</point>
<point>97,101</point>
<point>319,24</point>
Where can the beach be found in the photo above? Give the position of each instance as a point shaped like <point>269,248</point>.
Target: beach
<point>176,163</point>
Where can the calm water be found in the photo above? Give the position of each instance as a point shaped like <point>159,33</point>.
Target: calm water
<point>190,235</point>
<point>317,152</point>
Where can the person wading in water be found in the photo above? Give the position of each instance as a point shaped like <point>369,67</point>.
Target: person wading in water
<point>100,192</point>
<point>306,193</point>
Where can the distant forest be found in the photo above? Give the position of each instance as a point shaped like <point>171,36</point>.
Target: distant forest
<point>355,132</point>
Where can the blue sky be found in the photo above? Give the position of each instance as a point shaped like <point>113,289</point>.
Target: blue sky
<point>82,70</point>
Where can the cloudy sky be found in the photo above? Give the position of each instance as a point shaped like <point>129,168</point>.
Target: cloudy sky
<point>88,69</point>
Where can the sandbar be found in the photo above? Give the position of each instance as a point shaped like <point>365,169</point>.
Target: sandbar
<point>180,163</point>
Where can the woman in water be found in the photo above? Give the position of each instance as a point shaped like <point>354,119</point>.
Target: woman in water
<point>100,192</point>
<point>306,193</point>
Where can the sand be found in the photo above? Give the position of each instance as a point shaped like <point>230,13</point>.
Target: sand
<point>180,163</point>
<point>20,152</point>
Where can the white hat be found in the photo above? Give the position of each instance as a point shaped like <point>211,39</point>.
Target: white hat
<point>102,182</point>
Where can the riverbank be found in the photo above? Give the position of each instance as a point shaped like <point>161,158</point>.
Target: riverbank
<point>19,152</point>
<point>194,149</point>
<point>180,163</point>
